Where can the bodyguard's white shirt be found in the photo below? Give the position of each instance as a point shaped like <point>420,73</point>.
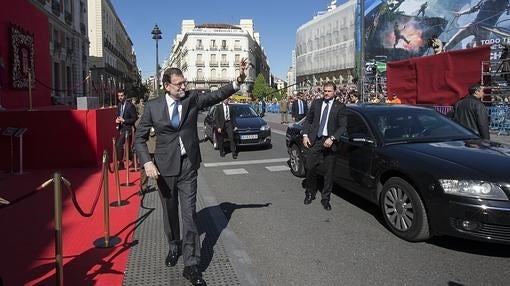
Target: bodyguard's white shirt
<point>330,103</point>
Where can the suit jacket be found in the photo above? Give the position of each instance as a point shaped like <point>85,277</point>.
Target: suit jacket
<point>167,154</point>
<point>472,113</point>
<point>130,116</point>
<point>295,108</point>
<point>337,120</point>
<point>219,118</point>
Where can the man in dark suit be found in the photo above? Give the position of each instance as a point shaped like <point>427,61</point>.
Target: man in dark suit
<point>224,123</point>
<point>126,118</point>
<point>177,159</point>
<point>323,126</point>
<point>299,107</point>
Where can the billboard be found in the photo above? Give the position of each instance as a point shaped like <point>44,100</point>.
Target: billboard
<point>401,29</point>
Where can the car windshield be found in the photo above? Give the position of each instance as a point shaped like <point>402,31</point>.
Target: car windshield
<point>244,111</point>
<point>417,125</point>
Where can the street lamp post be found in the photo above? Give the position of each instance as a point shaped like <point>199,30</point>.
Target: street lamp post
<point>156,35</point>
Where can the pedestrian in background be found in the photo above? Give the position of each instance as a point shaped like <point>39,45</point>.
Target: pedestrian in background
<point>224,123</point>
<point>299,107</point>
<point>284,110</point>
<point>126,118</point>
<point>322,128</point>
<point>177,159</point>
<point>472,113</point>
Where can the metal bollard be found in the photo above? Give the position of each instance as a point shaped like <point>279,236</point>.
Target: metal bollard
<point>126,162</point>
<point>107,241</point>
<point>119,202</point>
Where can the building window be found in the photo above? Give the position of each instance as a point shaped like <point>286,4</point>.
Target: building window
<point>213,74</point>
<point>224,61</point>
<point>200,60</point>
<point>237,45</point>
<point>200,74</point>
<point>224,74</point>
<point>237,60</point>
<point>223,44</point>
<point>213,45</point>
<point>199,44</point>
<point>214,61</point>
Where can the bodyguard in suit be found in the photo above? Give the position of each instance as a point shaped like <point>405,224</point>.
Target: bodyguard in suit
<point>177,159</point>
<point>224,124</point>
<point>299,107</point>
<point>323,126</point>
<point>126,118</point>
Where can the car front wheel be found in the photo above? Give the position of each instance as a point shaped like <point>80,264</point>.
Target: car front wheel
<point>297,166</point>
<point>403,210</point>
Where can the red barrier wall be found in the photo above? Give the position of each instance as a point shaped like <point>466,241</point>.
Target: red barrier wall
<point>439,79</point>
<point>58,138</point>
<point>31,20</point>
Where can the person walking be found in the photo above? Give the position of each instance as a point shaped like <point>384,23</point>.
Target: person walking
<point>177,158</point>
<point>224,123</point>
<point>299,107</point>
<point>323,126</point>
<point>472,113</point>
<point>284,110</point>
<point>126,118</point>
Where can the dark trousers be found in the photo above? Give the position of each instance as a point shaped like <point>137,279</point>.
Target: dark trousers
<point>315,156</point>
<point>181,190</point>
<point>119,145</point>
<point>228,132</point>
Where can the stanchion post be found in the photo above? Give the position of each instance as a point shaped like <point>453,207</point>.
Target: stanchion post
<point>119,202</point>
<point>126,160</point>
<point>29,89</point>
<point>57,184</point>
<point>12,154</point>
<point>135,157</point>
<point>107,241</point>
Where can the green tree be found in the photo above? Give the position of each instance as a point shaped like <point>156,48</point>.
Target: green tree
<point>260,88</point>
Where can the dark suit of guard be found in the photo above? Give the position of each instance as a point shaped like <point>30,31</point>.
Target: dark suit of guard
<point>225,120</point>
<point>127,111</point>
<point>334,127</point>
<point>299,109</point>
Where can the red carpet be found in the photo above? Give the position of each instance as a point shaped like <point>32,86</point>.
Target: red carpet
<point>27,241</point>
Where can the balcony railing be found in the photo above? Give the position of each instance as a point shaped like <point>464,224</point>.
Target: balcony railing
<point>68,17</point>
<point>200,64</point>
<point>55,7</point>
<point>199,47</point>
<point>213,64</point>
<point>224,48</point>
<point>237,48</point>
<point>213,48</point>
<point>224,64</point>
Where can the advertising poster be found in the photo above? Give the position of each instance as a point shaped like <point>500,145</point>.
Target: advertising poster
<point>401,29</point>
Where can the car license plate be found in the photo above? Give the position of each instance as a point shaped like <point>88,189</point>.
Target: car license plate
<point>251,136</point>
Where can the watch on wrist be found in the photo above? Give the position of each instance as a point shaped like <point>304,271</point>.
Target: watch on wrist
<point>332,138</point>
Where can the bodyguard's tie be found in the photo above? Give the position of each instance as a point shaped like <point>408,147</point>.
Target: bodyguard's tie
<point>323,119</point>
<point>175,121</point>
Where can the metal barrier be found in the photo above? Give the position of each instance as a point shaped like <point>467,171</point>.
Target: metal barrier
<point>444,109</point>
<point>499,115</point>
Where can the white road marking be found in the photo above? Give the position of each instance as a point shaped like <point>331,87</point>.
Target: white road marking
<point>278,132</point>
<point>278,168</point>
<point>235,171</point>
<point>248,162</point>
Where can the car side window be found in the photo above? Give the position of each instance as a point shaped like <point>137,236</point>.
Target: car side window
<point>356,126</point>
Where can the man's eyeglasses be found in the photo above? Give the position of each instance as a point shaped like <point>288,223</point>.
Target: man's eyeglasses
<point>180,84</point>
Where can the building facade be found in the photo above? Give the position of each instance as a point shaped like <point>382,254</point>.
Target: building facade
<point>112,59</point>
<point>209,54</point>
<point>69,46</point>
<point>325,47</point>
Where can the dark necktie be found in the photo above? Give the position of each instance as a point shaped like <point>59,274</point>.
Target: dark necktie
<point>323,119</point>
<point>175,116</point>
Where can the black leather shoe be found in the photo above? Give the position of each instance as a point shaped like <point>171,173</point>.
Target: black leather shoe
<point>172,258</point>
<point>193,275</point>
<point>309,198</point>
<point>326,205</point>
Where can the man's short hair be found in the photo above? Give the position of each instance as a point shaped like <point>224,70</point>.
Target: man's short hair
<point>331,84</point>
<point>120,90</point>
<point>167,75</point>
<point>473,88</point>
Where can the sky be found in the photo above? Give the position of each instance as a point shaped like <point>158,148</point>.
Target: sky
<point>276,20</point>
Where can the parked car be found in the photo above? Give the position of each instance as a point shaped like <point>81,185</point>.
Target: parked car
<point>249,130</point>
<point>427,174</point>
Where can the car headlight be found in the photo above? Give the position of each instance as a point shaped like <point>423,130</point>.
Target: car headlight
<point>265,127</point>
<point>473,189</point>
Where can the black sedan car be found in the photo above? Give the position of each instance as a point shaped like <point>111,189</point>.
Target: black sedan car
<point>250,129</point>
<point>428,175</point>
